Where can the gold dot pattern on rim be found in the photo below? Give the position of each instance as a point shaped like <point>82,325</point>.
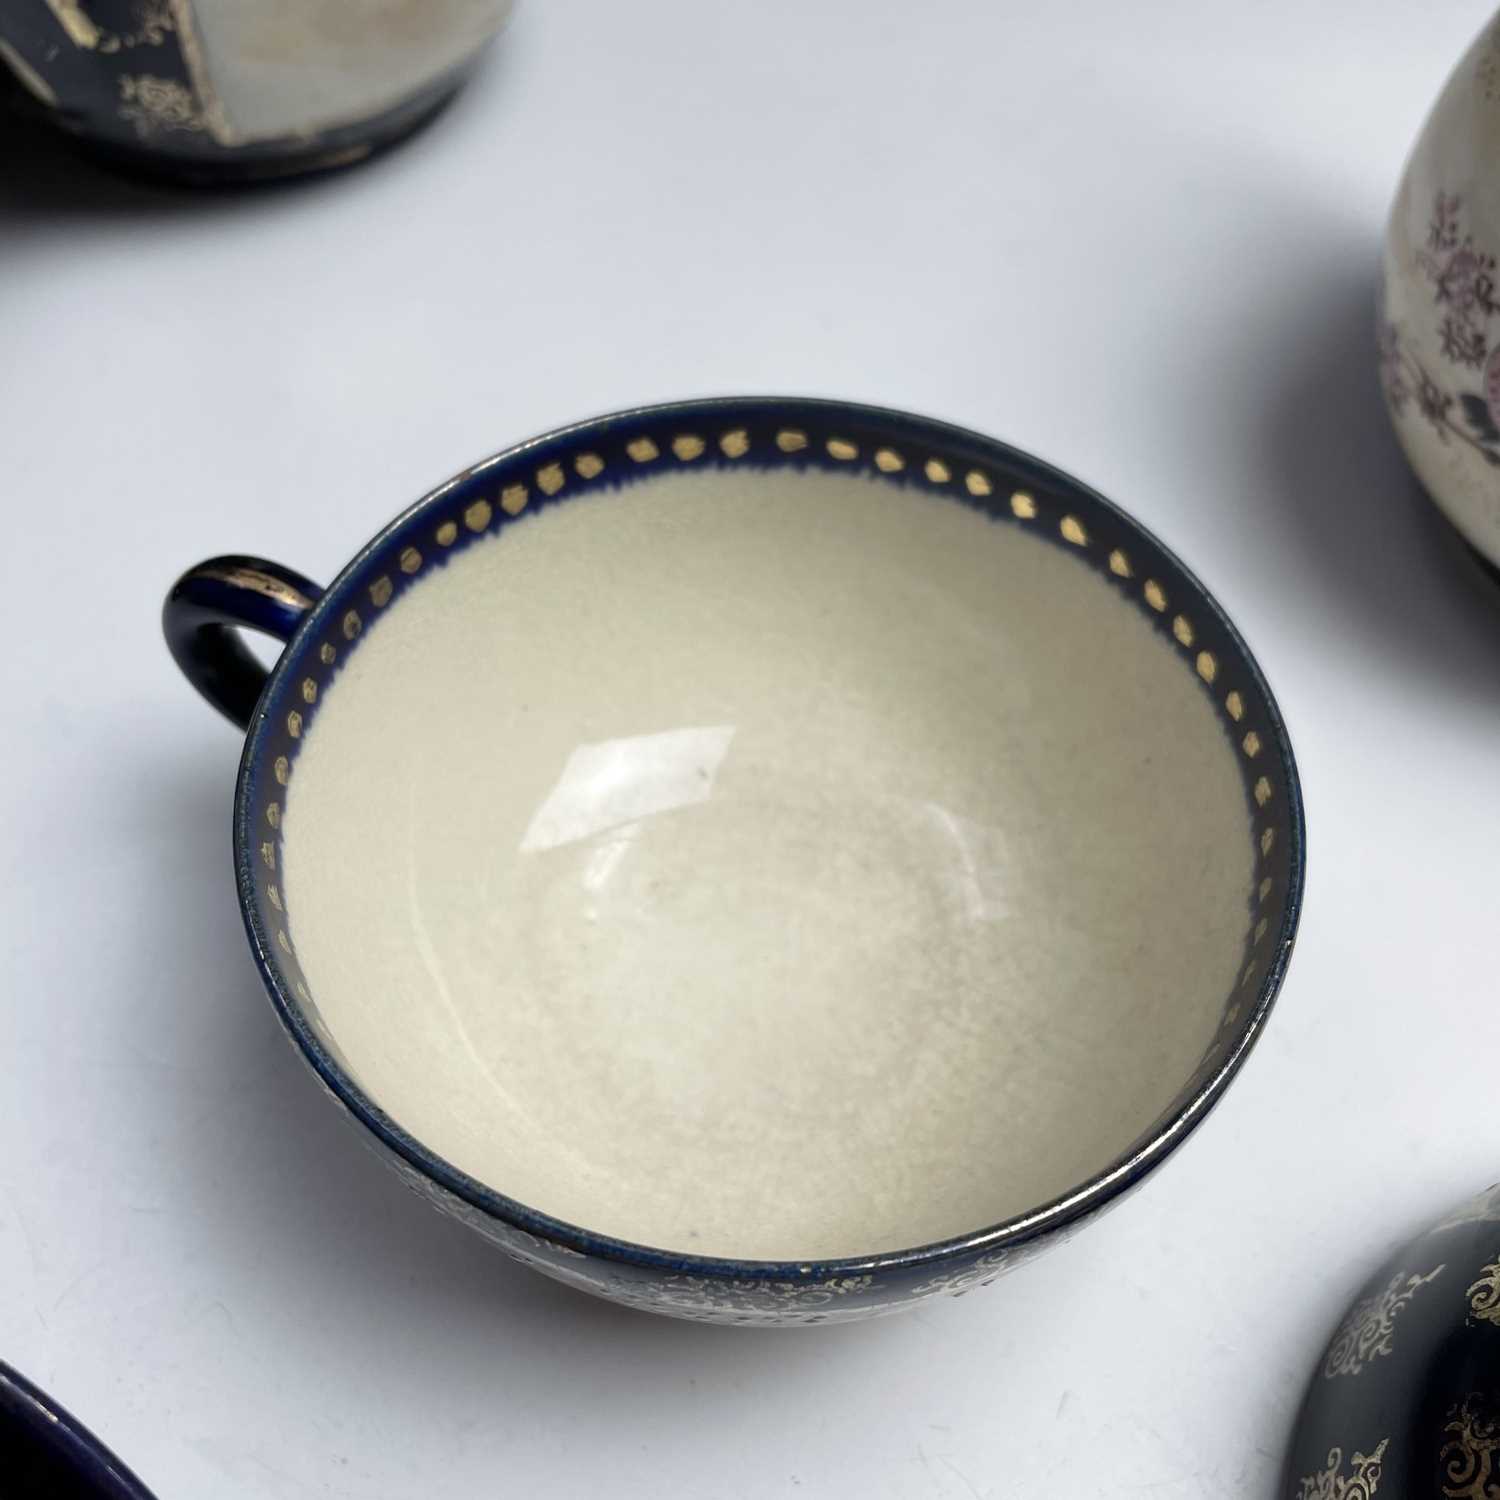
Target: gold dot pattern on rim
<point>303,995</point>
<point>734,444</point>
<point>1231,1015</point>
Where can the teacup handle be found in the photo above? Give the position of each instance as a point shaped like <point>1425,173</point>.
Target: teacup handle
<point>210,604</point>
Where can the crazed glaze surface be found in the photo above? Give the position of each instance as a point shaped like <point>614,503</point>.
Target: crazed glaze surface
<point>768,865</point>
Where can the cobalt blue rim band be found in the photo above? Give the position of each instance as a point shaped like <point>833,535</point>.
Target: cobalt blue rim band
<point>833,435</point>
<point>59,1439</point>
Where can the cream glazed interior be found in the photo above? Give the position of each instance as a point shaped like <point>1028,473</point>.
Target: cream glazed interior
<point>779,864</point>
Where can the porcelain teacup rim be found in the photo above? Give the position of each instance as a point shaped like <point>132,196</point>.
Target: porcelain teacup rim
<point>424,1167</point>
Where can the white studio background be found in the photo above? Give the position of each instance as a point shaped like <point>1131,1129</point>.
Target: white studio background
<point>1139,240</point>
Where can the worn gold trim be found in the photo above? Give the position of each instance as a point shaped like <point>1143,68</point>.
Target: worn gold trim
<point>1469,1461</point>
<point>1484,1294</point>
<point>31,80</point>
<point>1331,1483</point>
<point>260,583</point>
<point>80,29</point>
<point>1369,1326</point>
<point>153,105</point>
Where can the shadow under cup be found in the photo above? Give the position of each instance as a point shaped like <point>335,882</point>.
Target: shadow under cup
<point>769,860</point>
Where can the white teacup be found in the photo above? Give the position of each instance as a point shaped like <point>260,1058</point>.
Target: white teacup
<point>760,860</point>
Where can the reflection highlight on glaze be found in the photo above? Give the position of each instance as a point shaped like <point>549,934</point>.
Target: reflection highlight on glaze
<point>982,859</point>
<point>618,782</point>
